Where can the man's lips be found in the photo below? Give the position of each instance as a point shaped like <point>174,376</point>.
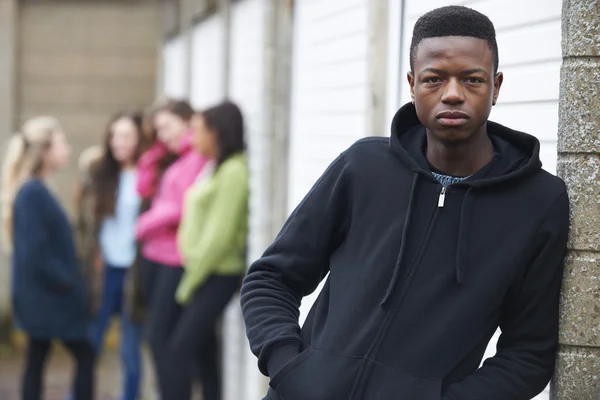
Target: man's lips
<point>452,118</point>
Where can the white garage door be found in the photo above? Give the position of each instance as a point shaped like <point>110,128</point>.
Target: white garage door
<point>246,85</point>
<point>207,63</point>
<point>175,68</point>
<point>529,43</point>
<point>329,98</point>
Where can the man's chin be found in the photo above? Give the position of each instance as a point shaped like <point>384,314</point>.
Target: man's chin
<point>451,137</point>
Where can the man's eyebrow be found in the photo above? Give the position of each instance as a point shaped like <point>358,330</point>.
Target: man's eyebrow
<point>475,71</point>
<point>465,72</point>
<point>434,70</point>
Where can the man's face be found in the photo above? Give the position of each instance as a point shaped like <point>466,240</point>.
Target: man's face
<point>453,86</point>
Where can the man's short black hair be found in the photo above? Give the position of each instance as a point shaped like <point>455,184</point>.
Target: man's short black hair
<point>454,21</point>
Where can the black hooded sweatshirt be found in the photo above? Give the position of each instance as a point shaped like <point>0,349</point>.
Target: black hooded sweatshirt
<point>419,277</point>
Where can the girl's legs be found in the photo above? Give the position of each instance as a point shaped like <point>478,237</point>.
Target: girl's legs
<point>210,368</point>
<point>108,307</point>
<point>163,316</point>
<point>195,332</point>
<point>111,302</point>
<point>131,337</point>
<point>37,354</point>
<point>149,274</point>
<point>83,352</point>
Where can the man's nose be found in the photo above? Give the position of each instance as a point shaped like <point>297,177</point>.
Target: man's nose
<point>453,92</point>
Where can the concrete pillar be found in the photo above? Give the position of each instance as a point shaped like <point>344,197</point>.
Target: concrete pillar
<point>578,364</point>
<point>278,74</point>
<point>186,25</point>
<point>224,8</point>
<point>377,69</point>
<point>278,40</point>
<point>8,24</point>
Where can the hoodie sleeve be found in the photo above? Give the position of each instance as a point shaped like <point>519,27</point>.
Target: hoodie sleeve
<point>524,362</point>
<point>292,267</point>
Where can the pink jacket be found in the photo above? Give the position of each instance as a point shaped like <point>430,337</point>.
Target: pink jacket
<point>157,227</point>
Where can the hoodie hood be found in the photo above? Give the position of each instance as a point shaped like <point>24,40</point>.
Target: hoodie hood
<point>517,153</point>
<point>516,158</point>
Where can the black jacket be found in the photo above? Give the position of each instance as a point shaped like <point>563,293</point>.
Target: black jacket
<point>419,278</point>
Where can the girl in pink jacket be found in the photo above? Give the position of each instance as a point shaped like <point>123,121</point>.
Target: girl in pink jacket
<point>156,228</point>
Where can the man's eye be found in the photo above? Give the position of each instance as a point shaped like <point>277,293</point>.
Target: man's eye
<point>432,80</point>
<point>474,80</point>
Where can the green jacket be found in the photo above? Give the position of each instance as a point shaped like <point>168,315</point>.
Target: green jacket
<point>214,227</point>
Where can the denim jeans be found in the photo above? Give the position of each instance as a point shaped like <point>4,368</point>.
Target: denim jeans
<point>113,300</point>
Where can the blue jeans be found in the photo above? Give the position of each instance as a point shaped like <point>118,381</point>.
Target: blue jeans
<point>113,300</point>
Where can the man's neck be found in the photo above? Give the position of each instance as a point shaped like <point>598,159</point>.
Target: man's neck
<point>462,159</point>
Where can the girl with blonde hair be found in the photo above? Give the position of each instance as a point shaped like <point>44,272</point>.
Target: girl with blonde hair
<point>48,288</point>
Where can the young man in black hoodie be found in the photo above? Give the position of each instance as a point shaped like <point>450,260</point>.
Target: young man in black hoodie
<point>432,240</point>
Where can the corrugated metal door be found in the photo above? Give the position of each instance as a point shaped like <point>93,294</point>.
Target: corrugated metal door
<point>330,86</point>
<point>246,86</point>
<point>529,43</point>
<point>208,67</point>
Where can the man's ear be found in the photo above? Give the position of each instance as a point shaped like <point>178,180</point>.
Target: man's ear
<point>497,84</point>
<point>411,82</point>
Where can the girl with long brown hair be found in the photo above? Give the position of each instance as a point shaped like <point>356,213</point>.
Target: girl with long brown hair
<point>116,206</point>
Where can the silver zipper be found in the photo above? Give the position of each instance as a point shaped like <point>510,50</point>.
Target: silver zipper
<point>442,198</point>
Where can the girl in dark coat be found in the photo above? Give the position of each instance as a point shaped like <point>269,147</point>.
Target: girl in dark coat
<point>48,288</point>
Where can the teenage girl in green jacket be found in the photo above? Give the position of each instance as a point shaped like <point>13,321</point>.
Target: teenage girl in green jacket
<point>212,241</point>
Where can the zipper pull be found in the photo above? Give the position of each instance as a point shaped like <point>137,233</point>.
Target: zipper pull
<point>442,198</point>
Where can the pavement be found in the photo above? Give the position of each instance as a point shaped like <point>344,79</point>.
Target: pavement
<point>59,372</point>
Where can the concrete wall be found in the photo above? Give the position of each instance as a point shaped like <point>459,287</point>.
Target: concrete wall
<point>84,60</point>
<point>578,362</point>
<point>7,99</point>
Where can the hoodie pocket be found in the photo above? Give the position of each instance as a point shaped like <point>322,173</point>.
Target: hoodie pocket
<point>387,383</point>
<point>315,374</point>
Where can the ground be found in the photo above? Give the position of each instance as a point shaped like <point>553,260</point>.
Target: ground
<point>58,376</point>
<point>59,371</point>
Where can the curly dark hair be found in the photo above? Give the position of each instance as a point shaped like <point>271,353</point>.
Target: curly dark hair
<point>454,21</point>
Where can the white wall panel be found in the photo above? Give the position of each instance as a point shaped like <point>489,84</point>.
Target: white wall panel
<point>175,68</point>
<point>208,68</point>
<point>247,90</point>
<point>330,89</point>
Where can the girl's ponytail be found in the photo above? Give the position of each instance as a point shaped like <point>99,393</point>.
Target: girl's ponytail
<point>11,172</point>
<point>23,160</point>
